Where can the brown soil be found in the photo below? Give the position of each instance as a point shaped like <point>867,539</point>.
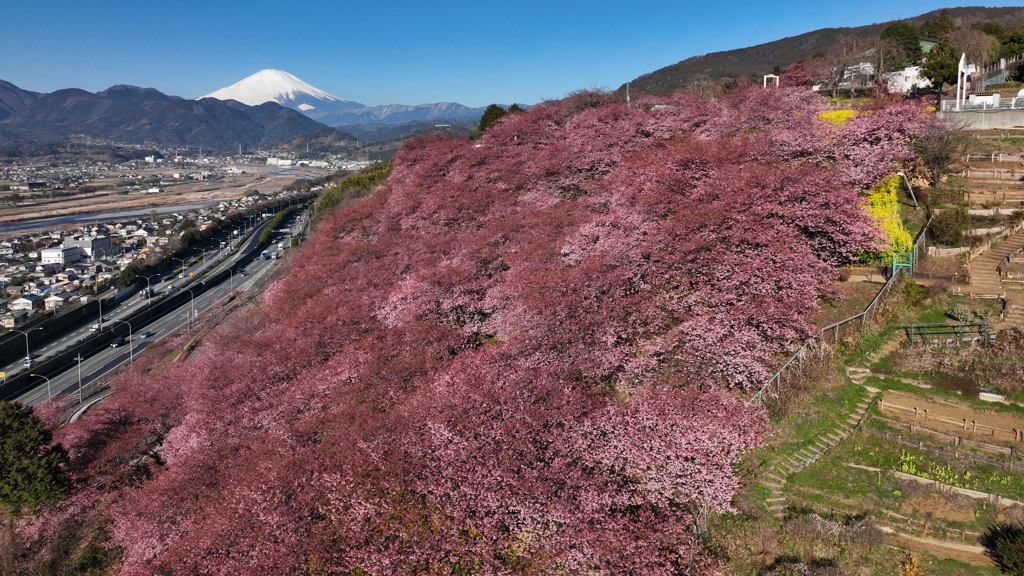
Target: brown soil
<point>965,553</point>
<point>938,506</point>
<point>949,416</point>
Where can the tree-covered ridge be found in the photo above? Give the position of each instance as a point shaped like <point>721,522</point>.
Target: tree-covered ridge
<point>512,361</point>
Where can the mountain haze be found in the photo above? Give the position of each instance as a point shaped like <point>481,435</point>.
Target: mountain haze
<point>395,114</point>
<point>146,116</point>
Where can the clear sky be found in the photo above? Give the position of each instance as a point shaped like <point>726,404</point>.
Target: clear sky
<point>390,51</point>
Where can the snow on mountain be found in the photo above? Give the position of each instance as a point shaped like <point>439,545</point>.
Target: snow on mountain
<point>285,89</point>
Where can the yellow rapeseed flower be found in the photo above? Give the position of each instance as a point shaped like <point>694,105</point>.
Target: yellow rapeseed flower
<point>837,116</point>
<point>883,205</point>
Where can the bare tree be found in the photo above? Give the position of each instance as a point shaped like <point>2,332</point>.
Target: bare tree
<point>979,47</point>
<point>845,54</point>
<point>941,145</point>
<point>704,87</point>
<point>887,55</point>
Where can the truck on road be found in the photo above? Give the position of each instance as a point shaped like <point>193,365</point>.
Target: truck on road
<point>273,255</point>
<point>266,254</point>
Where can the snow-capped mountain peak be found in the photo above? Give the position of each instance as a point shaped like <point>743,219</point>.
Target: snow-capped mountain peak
<point>285,89</point>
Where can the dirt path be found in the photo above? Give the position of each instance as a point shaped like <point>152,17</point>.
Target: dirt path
<point>949,416</point>
<point>967,553</point>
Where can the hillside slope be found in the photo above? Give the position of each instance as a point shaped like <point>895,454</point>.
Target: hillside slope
<point>763,58</point>
<point>512,358</point>
<point>13,99</point>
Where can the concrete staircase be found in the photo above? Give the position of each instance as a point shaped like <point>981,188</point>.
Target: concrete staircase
<point>1014,314</point>
<point>984,277</point>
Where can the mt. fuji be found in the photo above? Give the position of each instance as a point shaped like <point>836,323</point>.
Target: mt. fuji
<point>285,89</point>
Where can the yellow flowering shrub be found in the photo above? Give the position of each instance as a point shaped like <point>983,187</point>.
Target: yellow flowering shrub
<point>883,205</point>
<point>837,116</point>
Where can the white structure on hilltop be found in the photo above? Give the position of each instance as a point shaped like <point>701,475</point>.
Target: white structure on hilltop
<point>907,81</point>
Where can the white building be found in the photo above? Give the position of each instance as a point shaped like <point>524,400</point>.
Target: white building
<point>94,246</point>
<point>62,255</point>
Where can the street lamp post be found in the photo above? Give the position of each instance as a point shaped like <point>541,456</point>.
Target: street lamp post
<point>131,345</point>
<point>182,260</point>
<point>190,293</point>
<point>28,353</point>
<point>231,279</point>
<point>48,394</point>
<point>188,321</point>
<point>148,285</point>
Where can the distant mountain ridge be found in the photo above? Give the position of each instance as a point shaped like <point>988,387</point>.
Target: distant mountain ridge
<point>287,90</point>
<point>761,59</point>
<point>395,114</point>
<point>13,99</point>
<point>146,116</point>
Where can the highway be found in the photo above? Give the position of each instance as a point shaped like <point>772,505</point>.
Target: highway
<point>106,360</point>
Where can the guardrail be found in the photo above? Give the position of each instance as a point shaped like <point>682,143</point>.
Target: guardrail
<point>1003,104</point>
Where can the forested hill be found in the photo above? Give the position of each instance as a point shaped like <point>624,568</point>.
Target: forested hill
<point>761,59</point>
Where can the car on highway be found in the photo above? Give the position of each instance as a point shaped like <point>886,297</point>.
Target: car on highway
<point>29,363</point>
<point>117,342</point>
<point>145,334</point>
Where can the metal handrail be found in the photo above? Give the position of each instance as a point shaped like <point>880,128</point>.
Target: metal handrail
<point>757,398</point>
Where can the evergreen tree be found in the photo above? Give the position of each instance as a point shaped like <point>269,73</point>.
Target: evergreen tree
<point>514,108</point>
<point>908,37</point>
<point>491,115</point>
<point>30,471</point>
<point>128,276</point>
<point>1004,544</point>
<point>940,67</point>
<point>1011,44</point>
<point>939,27</point>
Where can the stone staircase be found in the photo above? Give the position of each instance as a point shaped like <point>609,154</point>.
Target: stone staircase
<point>984,277</point>
<point>808,454</point>
<point>775,480</point>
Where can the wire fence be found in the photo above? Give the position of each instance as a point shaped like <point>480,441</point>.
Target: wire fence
<point>817,347</point>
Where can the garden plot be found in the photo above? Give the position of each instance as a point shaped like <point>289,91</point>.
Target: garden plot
<point>952,417</point>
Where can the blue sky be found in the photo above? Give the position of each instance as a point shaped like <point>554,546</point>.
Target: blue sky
<point>388,51</point>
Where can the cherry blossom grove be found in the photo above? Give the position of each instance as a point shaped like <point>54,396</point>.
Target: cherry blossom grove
<point>524,354</point>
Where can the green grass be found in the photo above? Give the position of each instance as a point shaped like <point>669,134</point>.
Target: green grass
<point>868,345</point>
<point>820,416</point>
<point>827,473</point>
<point>938,567</point>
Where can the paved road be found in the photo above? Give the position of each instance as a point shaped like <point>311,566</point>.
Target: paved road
<point>170,280</point>
<point>106,360</point>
